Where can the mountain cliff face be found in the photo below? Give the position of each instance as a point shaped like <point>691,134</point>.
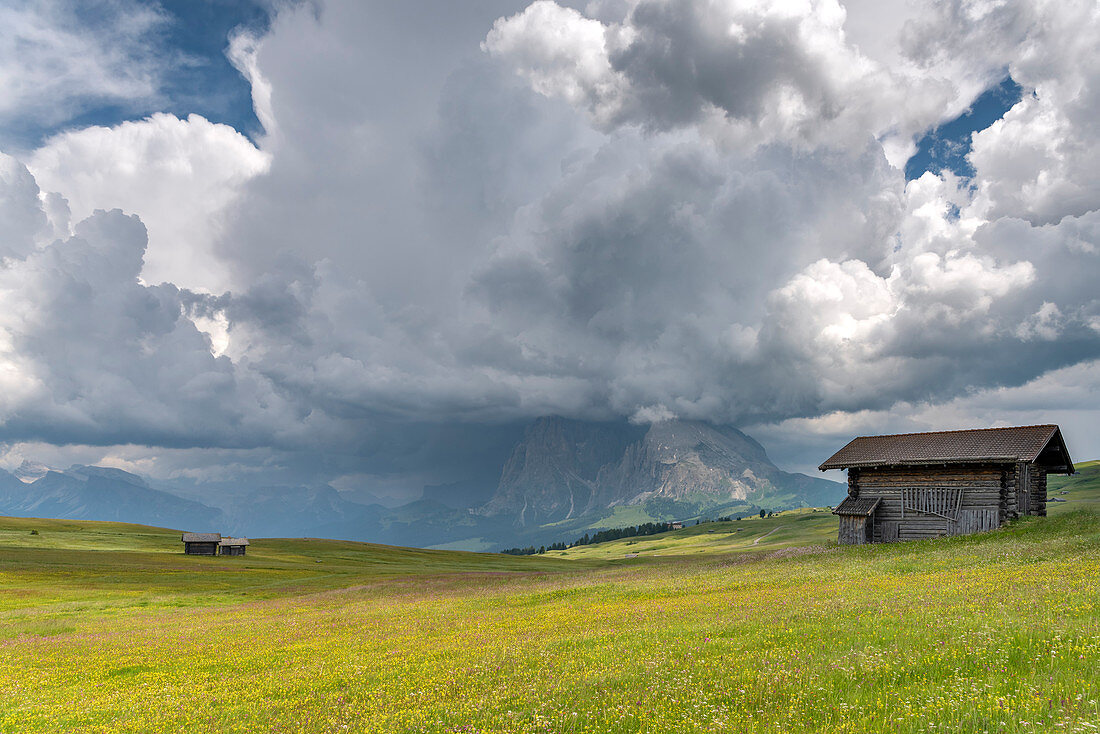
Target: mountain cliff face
<point>553,473</point>
<point>563,469</point>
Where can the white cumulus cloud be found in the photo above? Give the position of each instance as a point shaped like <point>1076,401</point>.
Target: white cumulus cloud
<point>180,175</point>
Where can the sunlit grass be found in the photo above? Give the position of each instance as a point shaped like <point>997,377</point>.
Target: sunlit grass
<point>998,632</point>
<point>751,533</point>
<point>1082,490</point>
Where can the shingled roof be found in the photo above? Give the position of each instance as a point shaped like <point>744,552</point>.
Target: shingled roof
<point>858,506</point>
<point>201,537</point>
<point>1020,443</point>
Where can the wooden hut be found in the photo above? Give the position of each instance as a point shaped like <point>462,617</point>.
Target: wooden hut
<point>922,485</point>
<point>232,546</point>
<point>201,544</point>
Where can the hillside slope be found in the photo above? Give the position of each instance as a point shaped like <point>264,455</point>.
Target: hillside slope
<point>127,566</point>
<point>1080,491</point>
<point>994,632</point>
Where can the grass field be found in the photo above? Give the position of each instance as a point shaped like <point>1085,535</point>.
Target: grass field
<point>108,628</point>
<point>1080,491</point>
<point>752,534</point>
<point>73,568</point>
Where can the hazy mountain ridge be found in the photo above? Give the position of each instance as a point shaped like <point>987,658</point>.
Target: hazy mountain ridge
<point>289,511</point>
<point>104,493</point>
<point>459,495</point>
<point>101,493</point>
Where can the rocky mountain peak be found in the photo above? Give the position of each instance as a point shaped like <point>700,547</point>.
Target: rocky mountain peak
<point>29,471</point>
<point>565,468</point>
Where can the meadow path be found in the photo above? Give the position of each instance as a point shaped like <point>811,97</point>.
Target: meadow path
<point>767,534</point>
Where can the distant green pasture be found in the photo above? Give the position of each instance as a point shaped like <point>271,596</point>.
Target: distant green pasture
<point>753,533</point>
<point>72,566</point>
<point>1082,490</point>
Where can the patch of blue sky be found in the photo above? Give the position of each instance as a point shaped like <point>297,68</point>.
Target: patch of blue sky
<point>203,81</point>
<point>193,73</point>
<point>946,146</point>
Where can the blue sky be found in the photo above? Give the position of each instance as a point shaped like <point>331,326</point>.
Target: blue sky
<point>946,146</point>
<point>204,82</point>
<point>185,49</point>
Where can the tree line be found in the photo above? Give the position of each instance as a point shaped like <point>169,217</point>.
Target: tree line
<point>601,536</point>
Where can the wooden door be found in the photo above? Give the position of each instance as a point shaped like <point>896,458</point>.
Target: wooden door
<point>1023,489</point>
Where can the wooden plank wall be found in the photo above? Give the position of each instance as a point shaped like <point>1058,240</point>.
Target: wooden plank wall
<point>981,507</point>
<point>853,530</point>
<point>1038,481</point>
<point>975,521</point>
<point>1023,490</point>
<point>886,532</point>
<point>1010,509</point>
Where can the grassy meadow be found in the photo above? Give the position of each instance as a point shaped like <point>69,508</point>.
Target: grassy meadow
<point>109,628</point>
<point>1080,491</point>
<point>809,526</point>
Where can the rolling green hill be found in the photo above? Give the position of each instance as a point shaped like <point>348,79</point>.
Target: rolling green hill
<point>72,566</point>
<point>1080,491</point>
<point>759,626</point>
<point>809,526</point>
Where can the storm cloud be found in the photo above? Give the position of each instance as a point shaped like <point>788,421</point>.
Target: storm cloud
<point>463,216</point>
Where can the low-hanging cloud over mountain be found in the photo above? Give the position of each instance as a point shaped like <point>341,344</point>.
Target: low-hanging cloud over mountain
<point>635,208</point>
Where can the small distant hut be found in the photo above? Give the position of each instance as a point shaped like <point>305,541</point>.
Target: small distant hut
<point>232,546</point>
<point>923,485</point>
<point>201,544</point>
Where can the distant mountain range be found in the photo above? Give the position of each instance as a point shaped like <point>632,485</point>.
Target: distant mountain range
<point>99,493</point>
<point>563,478</point>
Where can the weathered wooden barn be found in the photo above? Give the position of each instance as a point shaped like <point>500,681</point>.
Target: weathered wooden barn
<point>923,485</point>
<point>201,544</point>
<point>213,544</point>
<point>232,546</point>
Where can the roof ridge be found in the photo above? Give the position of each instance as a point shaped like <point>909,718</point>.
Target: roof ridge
<point>959,430</point>
<point>999,444</point>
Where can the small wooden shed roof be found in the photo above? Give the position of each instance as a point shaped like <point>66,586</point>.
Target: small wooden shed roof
<point>858,506</point>
<point>201,537</point>
<point>233,541</point>
<point>1039,444</point>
